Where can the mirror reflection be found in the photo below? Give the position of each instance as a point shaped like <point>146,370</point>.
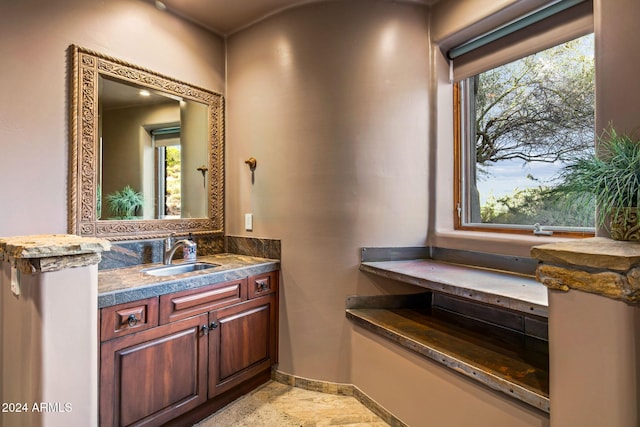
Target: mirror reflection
<point>153,154</point>
<point>146,152</point>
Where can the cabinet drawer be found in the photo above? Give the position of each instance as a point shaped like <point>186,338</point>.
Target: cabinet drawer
<point>180,305</point>
<point>263,284</point>
<point>127,318</point>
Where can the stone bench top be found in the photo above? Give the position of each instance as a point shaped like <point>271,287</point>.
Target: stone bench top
<point>597,265</point>
<point>50,245</point>
<point>51,252</point>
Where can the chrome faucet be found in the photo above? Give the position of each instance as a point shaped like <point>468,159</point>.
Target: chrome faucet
<point>170,248</point>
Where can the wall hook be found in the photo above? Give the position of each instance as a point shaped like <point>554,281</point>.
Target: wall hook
<point>252,162</point>
<point>204,170</point>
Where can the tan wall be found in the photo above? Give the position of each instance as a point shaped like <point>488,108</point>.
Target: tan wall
<point>34,38</point>
<point>195,153</point>
<point>617,64</point>
<point>595,379</point>
<point>423,393</point>
<point>42,360</point>
<point>457,21</point>
<point>331,99</point>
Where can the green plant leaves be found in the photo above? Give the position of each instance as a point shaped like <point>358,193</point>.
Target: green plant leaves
<point>124,203</point>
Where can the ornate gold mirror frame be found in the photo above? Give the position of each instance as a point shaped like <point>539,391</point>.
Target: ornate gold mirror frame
<point>83,165</point>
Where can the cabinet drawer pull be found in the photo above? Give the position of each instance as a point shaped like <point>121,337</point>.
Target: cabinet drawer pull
<point>132,320</point>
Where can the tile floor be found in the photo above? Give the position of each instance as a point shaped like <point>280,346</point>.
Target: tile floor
<point>278,405</point>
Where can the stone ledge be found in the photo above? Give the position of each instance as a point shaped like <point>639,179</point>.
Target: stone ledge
<point>50,245</point>
<point>595,252</point>
<point>51,252</point>
<point>597,265</point>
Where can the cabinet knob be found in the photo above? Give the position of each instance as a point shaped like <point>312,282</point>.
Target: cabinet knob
<point>204,329</point>
<point>132,320</point>
<point>213,325</point>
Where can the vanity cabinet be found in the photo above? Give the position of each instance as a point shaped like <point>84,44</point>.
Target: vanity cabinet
<point>149,377</point>
<point>187,349</point>
<point>242,342</point>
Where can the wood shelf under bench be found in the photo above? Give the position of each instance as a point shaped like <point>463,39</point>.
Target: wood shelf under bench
<point>487,324</point>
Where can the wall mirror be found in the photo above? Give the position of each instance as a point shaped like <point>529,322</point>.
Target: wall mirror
<point>146,152</point>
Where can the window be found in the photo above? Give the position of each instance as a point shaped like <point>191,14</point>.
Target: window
<point>169,181</point>
<point>168,161</point>
<point>518,124</point>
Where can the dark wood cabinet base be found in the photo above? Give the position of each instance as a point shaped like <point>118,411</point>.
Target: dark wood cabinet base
<point>196,351</point>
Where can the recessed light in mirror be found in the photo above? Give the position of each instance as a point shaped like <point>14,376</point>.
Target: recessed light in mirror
<point>144,93</point>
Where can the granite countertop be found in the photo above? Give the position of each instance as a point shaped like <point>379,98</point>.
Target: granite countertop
<point>130,284</point>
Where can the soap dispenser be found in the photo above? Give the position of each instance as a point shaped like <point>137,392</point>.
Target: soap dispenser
<point>190,250</point>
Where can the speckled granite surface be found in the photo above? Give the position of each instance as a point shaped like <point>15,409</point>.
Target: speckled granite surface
<point>135,252</point>
<point>131,284</point>
<point>264,248</point>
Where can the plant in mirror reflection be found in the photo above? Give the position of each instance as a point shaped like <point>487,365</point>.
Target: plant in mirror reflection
<point>124,203</point>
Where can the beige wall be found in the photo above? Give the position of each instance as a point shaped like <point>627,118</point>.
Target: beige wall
<point>595,375</point>
<point>457,21</point>
<point>617,64</point>
<point>423,393</point>
<point>43,361</point>
<point>195,153</point>
<point>332,100</point>
<point>34,40</point>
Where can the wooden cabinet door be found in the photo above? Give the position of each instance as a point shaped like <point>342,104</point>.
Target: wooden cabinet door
<point>242,342</point>
<point>153,376</point>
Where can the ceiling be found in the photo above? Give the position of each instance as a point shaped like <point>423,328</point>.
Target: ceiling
<point>228,16</point>
<point>116,94</point>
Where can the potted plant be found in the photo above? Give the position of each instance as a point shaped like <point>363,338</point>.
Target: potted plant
<point>612,178</point>
<point>124,203</point>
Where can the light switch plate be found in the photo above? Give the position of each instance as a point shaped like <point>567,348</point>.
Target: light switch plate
<point>248,222</point>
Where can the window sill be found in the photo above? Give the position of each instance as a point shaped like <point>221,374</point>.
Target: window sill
<point>514,244</point>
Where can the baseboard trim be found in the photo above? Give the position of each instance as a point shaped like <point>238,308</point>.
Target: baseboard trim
<point>340,389</point>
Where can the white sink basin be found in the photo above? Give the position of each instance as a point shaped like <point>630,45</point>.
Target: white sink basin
<point>173,269</point>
